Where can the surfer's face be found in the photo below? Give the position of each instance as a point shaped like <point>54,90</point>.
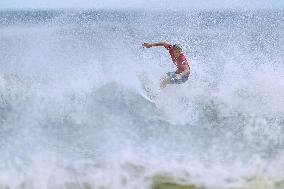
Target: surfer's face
<point>176,53</point>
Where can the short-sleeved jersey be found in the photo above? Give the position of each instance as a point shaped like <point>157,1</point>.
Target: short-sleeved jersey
<point>180,62</point>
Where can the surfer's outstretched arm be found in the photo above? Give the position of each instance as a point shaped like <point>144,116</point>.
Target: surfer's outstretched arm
<point>148,45</point>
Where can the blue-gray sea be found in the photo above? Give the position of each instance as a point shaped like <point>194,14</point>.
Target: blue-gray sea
<point>73,112</point>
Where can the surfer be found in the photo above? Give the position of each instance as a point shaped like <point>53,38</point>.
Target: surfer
<point>183,70</point>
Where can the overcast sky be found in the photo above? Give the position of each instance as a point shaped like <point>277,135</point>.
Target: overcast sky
<point>141,4</point>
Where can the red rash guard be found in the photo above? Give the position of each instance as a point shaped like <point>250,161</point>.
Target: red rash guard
<point>180,62</point>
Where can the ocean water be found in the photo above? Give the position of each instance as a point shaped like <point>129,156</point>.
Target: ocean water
<point>73,115</point>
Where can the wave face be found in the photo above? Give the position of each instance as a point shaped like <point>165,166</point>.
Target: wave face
<point>73,115</point>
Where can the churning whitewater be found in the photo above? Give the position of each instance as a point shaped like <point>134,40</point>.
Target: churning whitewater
<point>73,112</point>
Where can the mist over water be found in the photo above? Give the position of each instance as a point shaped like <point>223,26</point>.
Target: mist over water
<point>72,113</point>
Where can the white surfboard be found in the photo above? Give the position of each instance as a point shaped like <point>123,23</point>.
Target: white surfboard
<point>150,92</point>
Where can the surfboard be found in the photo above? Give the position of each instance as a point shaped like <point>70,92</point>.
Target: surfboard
<point>149,90</point>
<point>147,98</point>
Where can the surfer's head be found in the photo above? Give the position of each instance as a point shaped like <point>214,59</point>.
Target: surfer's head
<point>177,49</point>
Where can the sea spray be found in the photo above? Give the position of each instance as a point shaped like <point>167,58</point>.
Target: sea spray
<point>73,113</point>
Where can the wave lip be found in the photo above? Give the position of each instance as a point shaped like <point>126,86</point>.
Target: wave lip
<point>76,97</point>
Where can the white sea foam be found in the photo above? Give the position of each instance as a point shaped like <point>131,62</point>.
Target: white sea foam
<point>73,115</point>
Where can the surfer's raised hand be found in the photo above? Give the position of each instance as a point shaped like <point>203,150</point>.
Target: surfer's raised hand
<point>147,45</point>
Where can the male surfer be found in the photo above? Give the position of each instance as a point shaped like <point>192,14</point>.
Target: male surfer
<point>178,58</point>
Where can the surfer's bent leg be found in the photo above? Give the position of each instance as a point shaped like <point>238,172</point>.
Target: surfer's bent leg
<point>171,79</point>
<point>165,82</point>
